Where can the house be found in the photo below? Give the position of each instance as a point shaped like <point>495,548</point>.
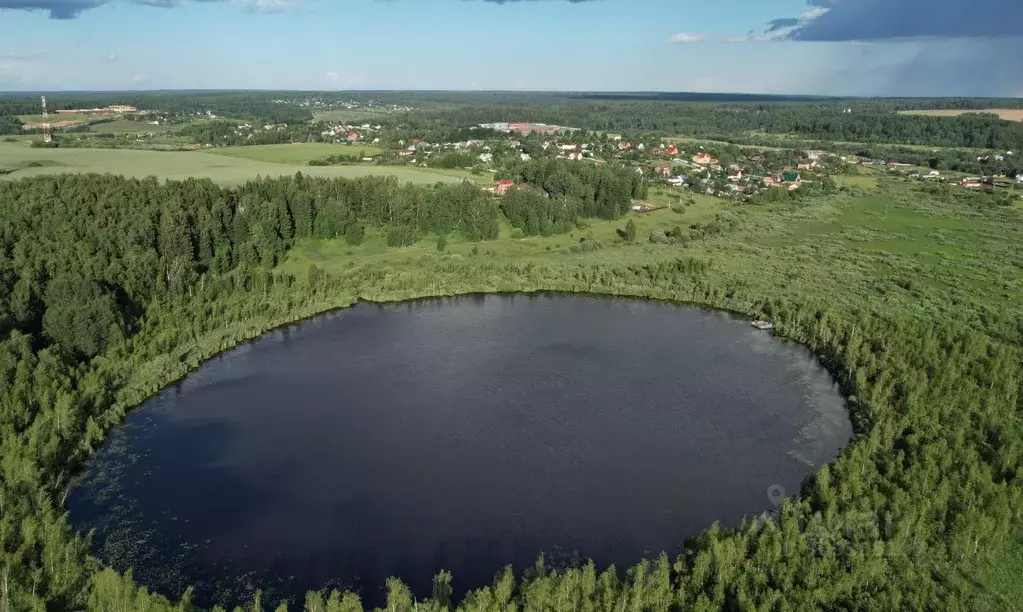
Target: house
<point>663,169</point>
<point>502,187</point>
<point>641,147</point>
<point>524,156</point>
<point>704,159</point>
<point>970,183</point>
<point>672,150</point>
<point>1019,178</point>
<point>678,181</point>
<point>576,155</point>
<point>796,185</point>
<point>913,174</point>
<point>353,135</point>
<point>486,157</point>
<point>790,177</point>
<point>933,174</point>
<point>803,166</point>
<point>569,147</point>
<point>734,187</point>
<point>406,153</point>
<point>624,146</point>
<point>772,181</point>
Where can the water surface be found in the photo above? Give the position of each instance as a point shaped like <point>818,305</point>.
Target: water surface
<point>464,434</point>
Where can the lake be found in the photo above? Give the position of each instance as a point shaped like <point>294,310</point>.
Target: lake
<point>463,434</point>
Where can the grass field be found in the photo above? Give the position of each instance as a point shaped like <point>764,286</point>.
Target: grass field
<point>336,255</point>
<point>1009,114</point>
<point>299,154</point>
<point>54,118</point>
<point>127,126</point>
<point>357,114</point>
<point>223,169</point>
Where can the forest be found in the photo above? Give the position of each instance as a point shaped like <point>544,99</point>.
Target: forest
<point>446,116</point>
<point>114,288</point>
<point>261,106</point>
<point>724,121</point>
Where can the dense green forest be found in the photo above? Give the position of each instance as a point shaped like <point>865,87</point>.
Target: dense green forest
<point>112,288</point>
<point>257,105</point>
<point>9,125</point>
<point>719,122</point>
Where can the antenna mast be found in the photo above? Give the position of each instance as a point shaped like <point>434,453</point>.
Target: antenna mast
<point>47,136</point>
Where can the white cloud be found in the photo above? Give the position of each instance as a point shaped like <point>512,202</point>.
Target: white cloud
<point>140,77</point>
<point>685,38</point>
<point>337,79</point>
<point>268,6</point>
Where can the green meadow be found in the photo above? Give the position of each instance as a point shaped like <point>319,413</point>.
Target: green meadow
<point>301,153</point>
<point>225,169</point>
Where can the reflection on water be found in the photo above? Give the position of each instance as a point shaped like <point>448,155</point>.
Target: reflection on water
<point>463,434</point>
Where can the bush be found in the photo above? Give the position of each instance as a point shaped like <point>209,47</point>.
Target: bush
<point>659,237</point>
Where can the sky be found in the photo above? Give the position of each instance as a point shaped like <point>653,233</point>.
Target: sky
<point>822,47</point>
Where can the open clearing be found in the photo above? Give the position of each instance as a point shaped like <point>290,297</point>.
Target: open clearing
<point>299,154</point>
<point>179,165</point>
<point>56,118</point>
<point>1009,114</point>
<point>352,114</point>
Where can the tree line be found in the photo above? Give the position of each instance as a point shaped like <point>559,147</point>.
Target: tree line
<point>559,194</point>
<point>276,108</point>
<point>722,121</point>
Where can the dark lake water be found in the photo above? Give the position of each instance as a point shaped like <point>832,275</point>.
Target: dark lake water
<point>462,434</point>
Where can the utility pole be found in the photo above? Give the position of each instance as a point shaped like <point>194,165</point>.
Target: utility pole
<point>47,136</point>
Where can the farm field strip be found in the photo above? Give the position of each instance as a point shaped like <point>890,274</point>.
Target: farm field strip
<point>300,154</point>
<point>179,165</point>
<point>1009,114</point>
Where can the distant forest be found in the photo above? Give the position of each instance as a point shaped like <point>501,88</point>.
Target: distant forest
<point>715,116</point>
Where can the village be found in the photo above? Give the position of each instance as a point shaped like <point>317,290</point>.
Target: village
<point>722,170</point>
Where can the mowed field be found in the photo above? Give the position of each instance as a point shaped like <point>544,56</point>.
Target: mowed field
<point>55,118</point>
<point>1009,114</point>
<point>300,154</point>
<point>178,165</point>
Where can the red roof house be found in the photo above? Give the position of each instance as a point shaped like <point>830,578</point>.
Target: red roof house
<point>502,187</point>
<point>704,158</point>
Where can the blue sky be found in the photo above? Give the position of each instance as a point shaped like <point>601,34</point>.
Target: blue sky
<point>835,47</point>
